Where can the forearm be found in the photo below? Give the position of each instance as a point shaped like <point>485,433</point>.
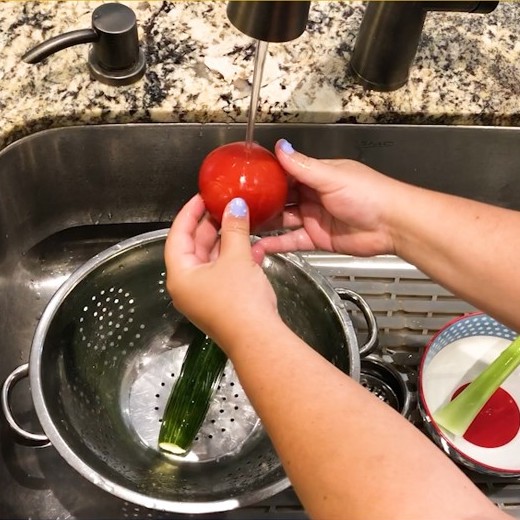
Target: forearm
<point>469,247</point>
<point>347,454</point>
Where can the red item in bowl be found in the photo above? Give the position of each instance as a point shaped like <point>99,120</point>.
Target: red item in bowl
<point>248,171</point>
<point>497,423</point>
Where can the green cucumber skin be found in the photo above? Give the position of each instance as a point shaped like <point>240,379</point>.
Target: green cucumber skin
<point>190,398</point>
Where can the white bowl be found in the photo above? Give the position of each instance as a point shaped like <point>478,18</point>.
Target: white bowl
<point>452,359</point>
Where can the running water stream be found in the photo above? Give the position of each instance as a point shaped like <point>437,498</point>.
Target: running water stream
<point>260,54</point>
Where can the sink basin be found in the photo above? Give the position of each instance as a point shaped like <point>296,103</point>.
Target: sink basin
<point>67,194</point>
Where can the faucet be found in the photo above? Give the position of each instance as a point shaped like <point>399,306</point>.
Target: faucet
<point>269,21</point>
<point>387,41</point>
<point>389,36</point>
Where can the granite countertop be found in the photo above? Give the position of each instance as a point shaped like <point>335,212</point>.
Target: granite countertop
<point>467,70</point>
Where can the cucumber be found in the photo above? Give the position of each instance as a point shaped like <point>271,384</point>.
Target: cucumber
<point>190,398</point>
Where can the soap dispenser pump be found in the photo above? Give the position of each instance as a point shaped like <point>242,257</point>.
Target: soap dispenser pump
<point>115,57</point>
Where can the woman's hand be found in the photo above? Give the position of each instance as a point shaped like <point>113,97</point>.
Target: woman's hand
<point>339,206</point>
<point>214,279</point>
<point>345,207</point>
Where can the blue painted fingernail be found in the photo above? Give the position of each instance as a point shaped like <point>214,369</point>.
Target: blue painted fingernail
<point>286,147</point>
<point>238,207</point>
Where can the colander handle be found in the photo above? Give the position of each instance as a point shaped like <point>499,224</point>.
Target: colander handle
<point>35,439</point>
<point>362,305</point>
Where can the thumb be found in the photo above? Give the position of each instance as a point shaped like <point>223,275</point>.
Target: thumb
<point>307,170</point>
<point>234,231</point>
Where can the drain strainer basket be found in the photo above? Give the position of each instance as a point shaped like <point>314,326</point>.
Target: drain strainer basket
<point>386,383</point>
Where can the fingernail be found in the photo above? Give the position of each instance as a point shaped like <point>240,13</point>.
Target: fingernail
<point>238,207</point>
<point>286,147</point>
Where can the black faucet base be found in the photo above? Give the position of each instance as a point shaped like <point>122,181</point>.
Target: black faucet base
<point>389,36</point>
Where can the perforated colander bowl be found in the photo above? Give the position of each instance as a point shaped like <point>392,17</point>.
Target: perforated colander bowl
<point>107,352</point>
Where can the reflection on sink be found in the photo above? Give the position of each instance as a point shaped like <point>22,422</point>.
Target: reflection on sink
<point>50,262</point>
<point>69,193</point>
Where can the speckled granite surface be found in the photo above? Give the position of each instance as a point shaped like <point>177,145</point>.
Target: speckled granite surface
<point>467,70</point>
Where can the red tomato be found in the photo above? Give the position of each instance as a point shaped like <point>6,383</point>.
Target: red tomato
<point>251,172</point>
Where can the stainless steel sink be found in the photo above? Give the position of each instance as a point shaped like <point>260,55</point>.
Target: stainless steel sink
<point>69,193</point>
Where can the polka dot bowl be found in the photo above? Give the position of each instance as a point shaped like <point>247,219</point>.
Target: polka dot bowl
<point>452,359</point>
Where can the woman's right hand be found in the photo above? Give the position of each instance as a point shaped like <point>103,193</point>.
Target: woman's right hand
<point>346,207</point>
<point>339,206</point>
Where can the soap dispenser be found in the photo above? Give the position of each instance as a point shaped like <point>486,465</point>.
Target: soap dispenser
<point>115,57</point>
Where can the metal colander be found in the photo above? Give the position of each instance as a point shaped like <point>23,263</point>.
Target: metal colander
<point>107,352</point>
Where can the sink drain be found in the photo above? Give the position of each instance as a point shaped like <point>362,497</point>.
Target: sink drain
<point>386,383</point>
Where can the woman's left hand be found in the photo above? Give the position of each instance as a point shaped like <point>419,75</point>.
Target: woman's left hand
<point>212,278</point>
